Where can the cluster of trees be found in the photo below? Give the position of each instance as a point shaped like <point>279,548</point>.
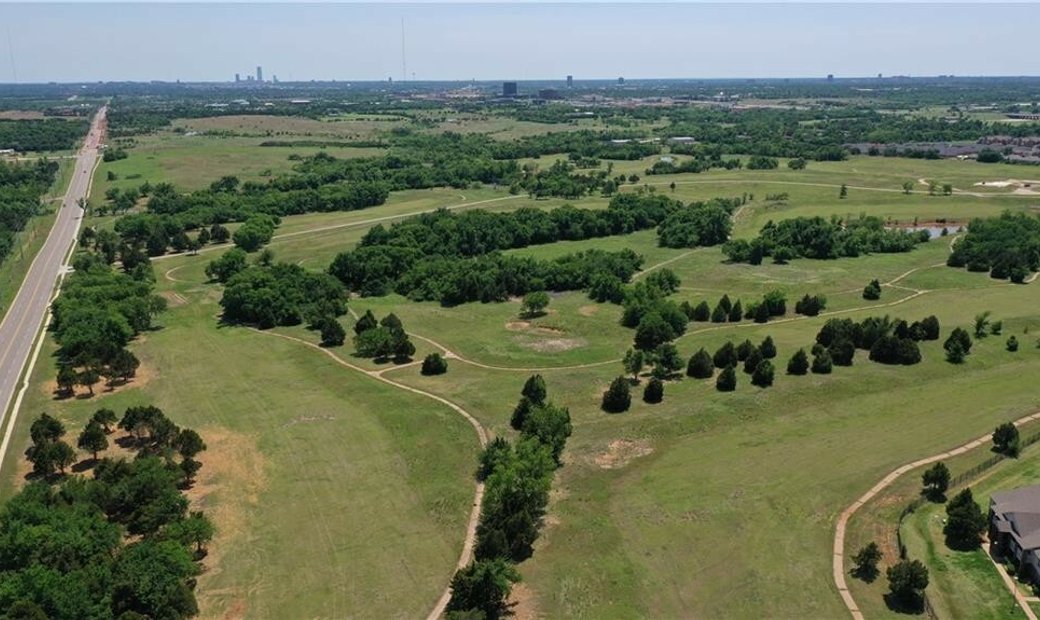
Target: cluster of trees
<point>562,181</point>
<point>97,314</point>
<point>773,303</point>
<point>810,305</point>
<point>21,186</point>
<point>384,340</point>
<point>815,237</point>
<point>1007,246</point>
<point>114,154</point>
<point>121,543</point>
<point>51,134</point>
<point>266,295</point>
<point>517,478</point>
<point>616,145</point>
<point>957,345</point>
<point>888,341</point>
<point>701,162</point>
<point>698,224</point>
<point>171,215</point>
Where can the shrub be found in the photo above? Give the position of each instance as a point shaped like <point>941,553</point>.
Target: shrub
<point>1012,344</point>
<point>434,364</point>
<point>798,364</point>
<point>872,291</point>
<point>653,393</point>
<point>822,363</point>
<point>618,397</point>
<point>700,365</point>
<point>763,374</point>
<point>727,380</point>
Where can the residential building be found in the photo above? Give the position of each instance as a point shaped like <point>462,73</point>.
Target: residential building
<point>1014,528</point>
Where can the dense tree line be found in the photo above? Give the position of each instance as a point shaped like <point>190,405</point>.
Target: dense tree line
<point>816,237</point>
<point>52,134</point>
<point>517,478</point>
<point>1008,246</point>
<point>119,544</point>
<point>452,258</point>
<point>97,314</point>
<point>171,214</point>
<point>21,186</point>
<point>281,294</point>
<point>385,340</point>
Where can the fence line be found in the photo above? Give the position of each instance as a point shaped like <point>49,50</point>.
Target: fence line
<point>960,479</point>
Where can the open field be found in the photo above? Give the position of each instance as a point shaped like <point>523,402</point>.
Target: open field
<point>706,505</point>
<point>193,162</point>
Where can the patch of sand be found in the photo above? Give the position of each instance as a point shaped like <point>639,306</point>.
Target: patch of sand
<point>143,376</point>
<point>621,452</point>
<point>227,489</point>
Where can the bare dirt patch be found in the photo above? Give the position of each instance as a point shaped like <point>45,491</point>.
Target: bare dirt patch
<point>20,115</point>
<point>588,310</point>
<point>144,374</point>
<point>523,603</point>
<point>228,489</point>
<point>551,345</point>
<point>516,326</point>
<point>173,298</point>
<point>621,452</point>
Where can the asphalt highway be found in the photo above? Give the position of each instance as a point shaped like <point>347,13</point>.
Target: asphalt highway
<point>23,319</point>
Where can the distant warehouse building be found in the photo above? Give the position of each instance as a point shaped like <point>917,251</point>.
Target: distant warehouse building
<point>509,89</point>
<point>549,94</point>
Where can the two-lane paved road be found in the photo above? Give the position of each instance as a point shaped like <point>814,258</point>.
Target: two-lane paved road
<point>23,319</point>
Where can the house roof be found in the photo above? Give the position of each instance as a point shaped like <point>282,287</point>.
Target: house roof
<point>1021,509</point>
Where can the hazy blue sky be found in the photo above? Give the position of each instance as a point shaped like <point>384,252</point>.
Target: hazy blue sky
<point>86,42</point>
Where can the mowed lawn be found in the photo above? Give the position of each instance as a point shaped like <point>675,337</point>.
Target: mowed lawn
<point>334,495</point>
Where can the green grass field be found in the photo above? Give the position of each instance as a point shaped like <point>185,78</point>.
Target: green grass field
<point>706,505</point>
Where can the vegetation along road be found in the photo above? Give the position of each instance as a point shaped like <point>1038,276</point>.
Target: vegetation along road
<point>20,324</point>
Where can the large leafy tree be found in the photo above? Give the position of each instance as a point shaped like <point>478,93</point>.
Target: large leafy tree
<point>483,586</point>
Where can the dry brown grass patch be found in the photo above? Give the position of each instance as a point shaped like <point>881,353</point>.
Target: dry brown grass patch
<point>621,452</point>
<point>228,489</point>
<point>144,375</point>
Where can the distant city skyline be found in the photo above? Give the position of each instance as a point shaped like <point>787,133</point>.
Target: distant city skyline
<point>502,41</point>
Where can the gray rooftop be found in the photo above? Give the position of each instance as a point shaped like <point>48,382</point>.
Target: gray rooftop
<point>1021,509</point>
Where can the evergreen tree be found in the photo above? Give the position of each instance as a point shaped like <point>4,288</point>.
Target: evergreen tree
<point>767,348</point>
<point>725,356</point>
<point>702,312</point>
<point>964,522</point>
<point>736,313</point>
<point>744,350</point>
<point>799,363</point>
<point>822,363</point>
<point>654,391</point>
<point>434,364</point>
<point>534,390</point>
<point>727,380</point>
<point>618,396</point>
<point>763,374</point>
<point>752,361</point>
<point>700,365</point>
<point>366,322</point>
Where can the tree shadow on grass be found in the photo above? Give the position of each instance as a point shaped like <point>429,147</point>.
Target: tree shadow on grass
<point>910,605</point>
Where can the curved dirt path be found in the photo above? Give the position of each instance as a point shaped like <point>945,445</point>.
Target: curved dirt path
<point>838,561</point>
<point>478,496</point>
